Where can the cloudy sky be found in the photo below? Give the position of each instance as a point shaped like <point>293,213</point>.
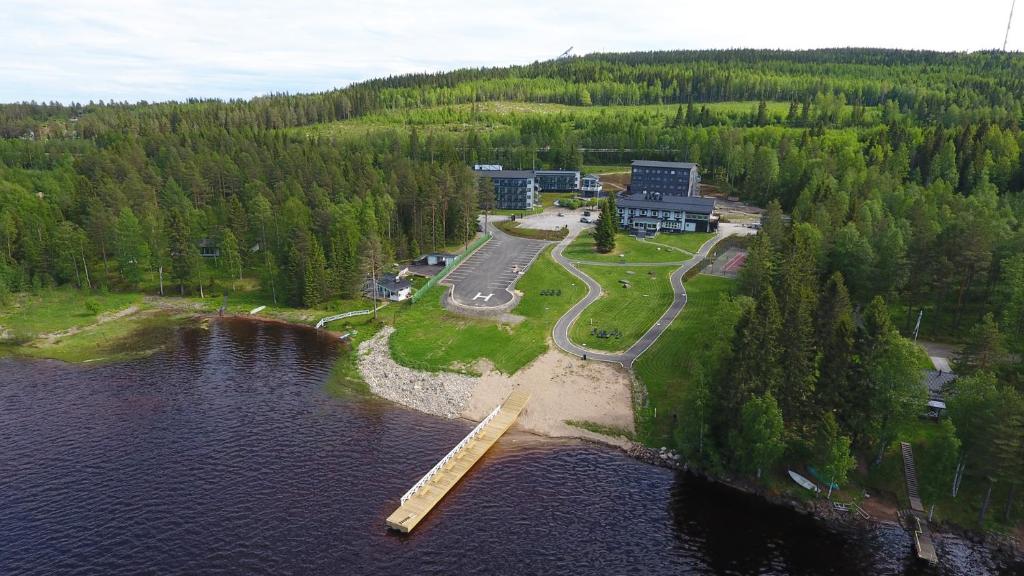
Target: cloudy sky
<point>81,50</point>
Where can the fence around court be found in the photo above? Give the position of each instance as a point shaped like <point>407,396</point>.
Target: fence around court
<point>447,269</point>
<point>719,247</point>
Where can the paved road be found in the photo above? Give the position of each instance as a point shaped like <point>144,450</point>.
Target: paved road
<point>626,359</point>
<point>485,279</point>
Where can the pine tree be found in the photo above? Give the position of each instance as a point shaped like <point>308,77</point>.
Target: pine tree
<point>762,113</point>
<point>835,329</point>
<point>184,255</point>
<point>605,229</point>
<point>984,351</point>
<point>315,277</point>
<point>229,252</point>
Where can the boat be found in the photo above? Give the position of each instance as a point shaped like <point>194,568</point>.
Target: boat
<point>804,482</point>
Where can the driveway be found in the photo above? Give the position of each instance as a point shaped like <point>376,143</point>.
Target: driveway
<point>486,278</point>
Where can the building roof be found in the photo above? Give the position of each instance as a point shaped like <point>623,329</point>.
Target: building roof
<point>555,172</point>
<point>937,381</point>
<point>660,164</point>
<point>443,254</point>
<point>693,204</point>
<point>394,284</point>
<point>505,173</point>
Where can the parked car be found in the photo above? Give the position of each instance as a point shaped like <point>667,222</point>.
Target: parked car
<point>585,220</point>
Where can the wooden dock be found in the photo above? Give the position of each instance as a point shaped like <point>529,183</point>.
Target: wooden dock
<point>425,494</point>
<point>923,544</point>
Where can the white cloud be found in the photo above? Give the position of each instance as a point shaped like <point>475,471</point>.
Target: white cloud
<point>147,49</point>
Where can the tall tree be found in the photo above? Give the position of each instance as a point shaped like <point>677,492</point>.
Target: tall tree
<point>758,444</point>
<point>130,247</point>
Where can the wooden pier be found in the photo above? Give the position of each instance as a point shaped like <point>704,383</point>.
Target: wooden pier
<point>918,527</point>
<point>425,494</point>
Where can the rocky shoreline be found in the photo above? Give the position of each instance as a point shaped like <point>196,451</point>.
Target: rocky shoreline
<point>439,393</point>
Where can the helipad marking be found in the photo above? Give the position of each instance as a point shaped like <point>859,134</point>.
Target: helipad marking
<point>485,298</point>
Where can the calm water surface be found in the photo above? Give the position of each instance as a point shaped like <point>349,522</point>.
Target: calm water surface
<point>226,454</point>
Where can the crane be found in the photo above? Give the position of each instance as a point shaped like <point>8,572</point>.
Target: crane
<point>568,53</point>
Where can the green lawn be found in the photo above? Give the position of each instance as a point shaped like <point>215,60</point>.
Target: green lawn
<point>634,251</point>
<point>431,338</point>
<point>27,315</point>
<point>665,368</point>
<point>631,311</point>
<point>688,241</point>
<point>122,339</point>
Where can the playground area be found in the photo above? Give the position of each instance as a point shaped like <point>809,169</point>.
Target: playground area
<point>728,263</point>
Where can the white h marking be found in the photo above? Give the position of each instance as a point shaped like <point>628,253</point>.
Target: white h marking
<point>485,298</point>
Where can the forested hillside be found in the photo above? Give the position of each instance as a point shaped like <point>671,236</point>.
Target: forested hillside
<point>902,172</point>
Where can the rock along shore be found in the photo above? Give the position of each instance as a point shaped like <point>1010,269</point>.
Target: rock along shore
<point>439,393</point>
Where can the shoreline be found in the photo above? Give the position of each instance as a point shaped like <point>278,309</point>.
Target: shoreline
<point>1005,544</point>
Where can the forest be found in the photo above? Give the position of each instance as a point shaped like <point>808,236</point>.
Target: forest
<point>901,172</point>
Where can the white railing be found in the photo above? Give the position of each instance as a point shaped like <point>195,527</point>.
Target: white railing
<point>323,321</point>
<point>426,478</point>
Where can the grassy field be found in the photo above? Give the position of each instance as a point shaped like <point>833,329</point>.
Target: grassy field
<point>631,311</point>
<point>28,315</point>
<point>665,368</point>
<point>687,241</point>
<point>134,336</point>
<point>627,249</point>
<point>496,116</point>
<point>431,338</point>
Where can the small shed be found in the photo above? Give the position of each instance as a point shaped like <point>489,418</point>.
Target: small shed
<point>390,287</point>
<point>439,259</point>
<point>208,248</point>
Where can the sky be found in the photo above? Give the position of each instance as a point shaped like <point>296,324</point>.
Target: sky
<point>131,50</point>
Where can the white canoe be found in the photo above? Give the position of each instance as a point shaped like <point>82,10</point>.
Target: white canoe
<point>803,481</point>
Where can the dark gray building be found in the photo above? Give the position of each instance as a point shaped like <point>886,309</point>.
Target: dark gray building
<point>558,180</point>
<point>669,178</point>
<point>513,189</point>
<point>645,213</point>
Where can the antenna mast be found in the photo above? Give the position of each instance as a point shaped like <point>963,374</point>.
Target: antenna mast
<point>1008,22</point>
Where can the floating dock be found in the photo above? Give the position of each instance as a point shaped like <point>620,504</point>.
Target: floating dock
<point>425,494</point>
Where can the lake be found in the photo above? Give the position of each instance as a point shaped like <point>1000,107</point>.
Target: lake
<point>227,453</point>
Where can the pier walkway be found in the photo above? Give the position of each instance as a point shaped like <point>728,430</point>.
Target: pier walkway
<point>923,544</point>
<point>425,494</point>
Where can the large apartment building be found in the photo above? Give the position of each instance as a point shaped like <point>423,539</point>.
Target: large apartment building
<point>558,180</point>
<point>513,189</point>
<point>665,197</point>
<point>670,178</point>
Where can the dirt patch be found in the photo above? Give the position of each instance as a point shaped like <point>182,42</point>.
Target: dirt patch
<point>562,388</point>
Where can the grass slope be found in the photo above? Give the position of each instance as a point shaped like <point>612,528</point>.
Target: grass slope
<point>28,315</point>
<point>431,338</point>
<point>665,368</point>
<point>632,311</point>
<point>583,248</point>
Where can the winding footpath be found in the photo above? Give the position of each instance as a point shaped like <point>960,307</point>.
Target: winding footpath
<point>626,359</point>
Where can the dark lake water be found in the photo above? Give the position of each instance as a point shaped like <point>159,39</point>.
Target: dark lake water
<point>225,454</point>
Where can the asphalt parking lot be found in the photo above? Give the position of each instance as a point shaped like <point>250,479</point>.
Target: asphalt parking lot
<point>486,278</point>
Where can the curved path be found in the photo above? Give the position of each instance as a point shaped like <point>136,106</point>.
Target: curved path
<point>626,359</point>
